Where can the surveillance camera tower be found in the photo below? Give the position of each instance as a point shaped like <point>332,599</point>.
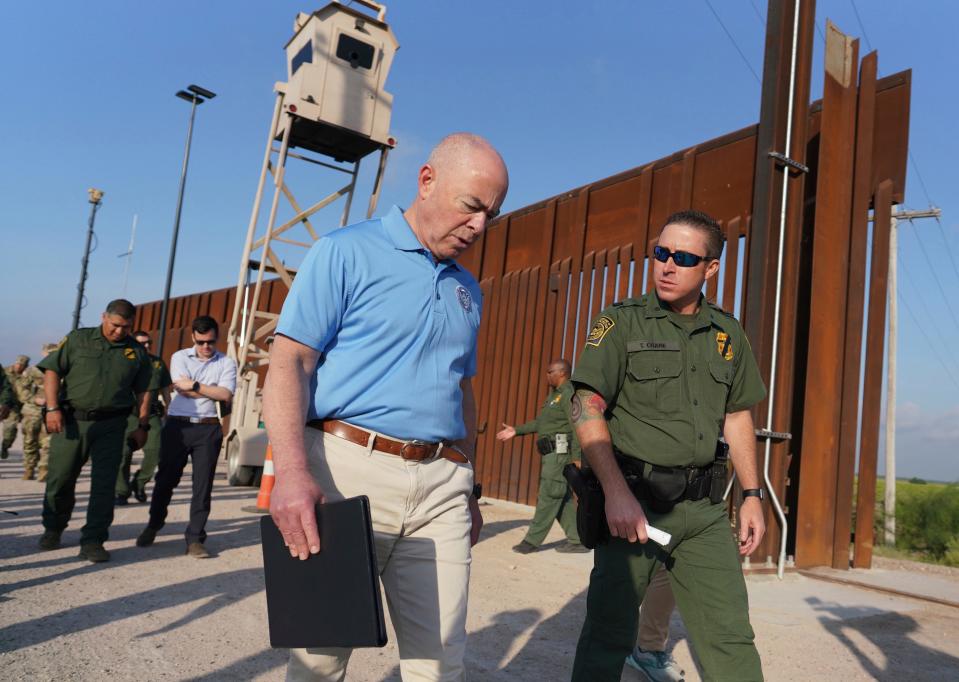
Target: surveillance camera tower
<point>333,109</point>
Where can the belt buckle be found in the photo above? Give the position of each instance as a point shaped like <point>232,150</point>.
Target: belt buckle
<point>196,420</point>
<point>414,443</point>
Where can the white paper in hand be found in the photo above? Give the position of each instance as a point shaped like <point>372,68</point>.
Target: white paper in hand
<point>658,536</point>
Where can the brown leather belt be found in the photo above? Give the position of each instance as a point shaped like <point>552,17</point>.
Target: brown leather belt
<point>415,450</point>
<point>194,420</point>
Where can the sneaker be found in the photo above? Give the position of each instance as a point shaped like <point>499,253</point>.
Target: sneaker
<point>94,552</point>
<point>572,548</point>
<point>525,548</point>
<point>121,501</point>
<point>197,550</point>
<point>50,540</point>
<point>146,538</point>
<point>658,666</point>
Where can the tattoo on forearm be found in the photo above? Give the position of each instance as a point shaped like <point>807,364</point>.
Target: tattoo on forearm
<point>587,406</point>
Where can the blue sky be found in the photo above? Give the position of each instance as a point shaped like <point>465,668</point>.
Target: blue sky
<point>569,91</point>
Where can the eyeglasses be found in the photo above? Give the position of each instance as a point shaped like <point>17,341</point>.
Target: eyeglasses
<point>683,259</point>
<point>204,343</point>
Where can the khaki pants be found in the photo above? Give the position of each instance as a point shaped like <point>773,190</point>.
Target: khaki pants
<point>421,525</point>
<point>654,614</point>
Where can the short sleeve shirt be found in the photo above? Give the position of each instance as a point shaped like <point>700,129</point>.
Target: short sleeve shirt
<point>396,330</point>
<point>219,370</point>
<point>97,374</point>
<point>668,383</point>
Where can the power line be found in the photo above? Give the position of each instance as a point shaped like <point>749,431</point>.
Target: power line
<point>733,41</point>
<point>934,275</point>
<point>861,27</point>
<point>922,302</point>
<point>905,304</point>
<point>922,183</point>
<point>948,248</point>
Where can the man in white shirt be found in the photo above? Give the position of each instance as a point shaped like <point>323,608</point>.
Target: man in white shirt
<point>202,376</point>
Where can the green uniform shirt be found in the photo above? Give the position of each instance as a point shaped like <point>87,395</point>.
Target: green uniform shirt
<point>668,380</point>
<point>553,417</point>
<point>98,375</point>
<point>159,379</point>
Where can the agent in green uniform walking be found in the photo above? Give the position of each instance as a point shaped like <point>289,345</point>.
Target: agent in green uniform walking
<point>137,483</point>
<point>558,446</point>
<point>92,382</point>
<point>7,399</point>
<point>660,378</point>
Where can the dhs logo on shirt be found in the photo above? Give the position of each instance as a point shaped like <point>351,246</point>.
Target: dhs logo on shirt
<point>464,297</point>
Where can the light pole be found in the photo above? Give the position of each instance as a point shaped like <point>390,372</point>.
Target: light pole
<point>195,95</point>
<point>96,196</point>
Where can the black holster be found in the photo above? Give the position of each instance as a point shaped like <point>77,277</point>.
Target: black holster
<point>718,473</point>
<point>591,508</point>
<point>545,445</point>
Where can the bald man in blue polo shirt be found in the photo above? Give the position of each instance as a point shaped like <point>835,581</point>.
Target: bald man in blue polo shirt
<point>369,393</point>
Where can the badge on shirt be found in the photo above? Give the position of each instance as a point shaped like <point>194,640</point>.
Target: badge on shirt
<point>557,399</point>
<point>599,331</point>
<point>129,354</point>
<point>464,297</point>
<point>724,345</point>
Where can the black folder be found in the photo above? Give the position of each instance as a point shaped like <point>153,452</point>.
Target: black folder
<point>333,598</point>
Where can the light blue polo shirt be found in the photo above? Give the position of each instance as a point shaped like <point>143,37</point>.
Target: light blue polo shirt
<point>396,330</point>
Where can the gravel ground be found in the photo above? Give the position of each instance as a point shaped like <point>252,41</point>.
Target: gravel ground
<point>155,613</point>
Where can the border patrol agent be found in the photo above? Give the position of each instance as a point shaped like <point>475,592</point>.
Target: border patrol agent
<point>659,379</point>
<point>136,484</point>
<point>558,446</point>
<point>93,380</point>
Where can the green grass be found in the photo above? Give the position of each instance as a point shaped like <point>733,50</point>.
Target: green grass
<point>927,521</point>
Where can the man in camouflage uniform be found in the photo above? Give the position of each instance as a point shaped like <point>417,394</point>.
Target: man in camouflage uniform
<point>43,464</point>
<point>558,446</point>
<point>13,372</point>
<point>29,394</point>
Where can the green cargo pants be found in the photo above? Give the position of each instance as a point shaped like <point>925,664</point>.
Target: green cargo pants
<point>151,455</point>
<point>100,442</point>
<point>554,502</point>
<point>707,581</point>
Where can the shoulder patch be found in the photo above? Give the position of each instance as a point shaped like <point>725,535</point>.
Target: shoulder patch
<point>599,331</point>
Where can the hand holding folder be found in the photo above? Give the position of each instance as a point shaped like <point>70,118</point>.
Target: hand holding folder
<point>332,599</point>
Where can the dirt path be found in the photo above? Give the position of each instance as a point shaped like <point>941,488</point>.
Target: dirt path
<point>157,614</point>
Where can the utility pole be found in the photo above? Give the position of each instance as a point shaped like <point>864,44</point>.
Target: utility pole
<point>96,196</point>
<point>128,254</point>
<point>889,519</point>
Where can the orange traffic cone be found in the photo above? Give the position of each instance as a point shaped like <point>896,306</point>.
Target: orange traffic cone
<point>266,485</point>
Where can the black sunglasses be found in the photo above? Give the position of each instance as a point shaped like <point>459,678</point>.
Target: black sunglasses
<point>683,259</point>
<point>200,342</point>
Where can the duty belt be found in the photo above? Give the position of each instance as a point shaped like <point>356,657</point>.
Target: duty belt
<point>416,450</point>
<point>95,415</point>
